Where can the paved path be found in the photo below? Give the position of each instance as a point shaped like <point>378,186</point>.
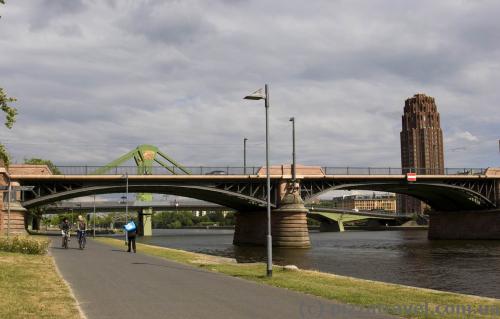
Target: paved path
<point>111,283</point>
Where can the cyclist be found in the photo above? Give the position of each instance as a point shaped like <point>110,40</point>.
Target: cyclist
<point>65,228</point>
<point>81,228</point>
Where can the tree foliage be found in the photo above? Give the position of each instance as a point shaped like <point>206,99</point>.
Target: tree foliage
<point>10,112</point>
<point>10,118</point>
<point>39,161</point>
<point>186,219</point>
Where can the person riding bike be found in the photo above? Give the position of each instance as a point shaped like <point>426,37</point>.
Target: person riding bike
<point>81,228</point>
<point>65,228</point>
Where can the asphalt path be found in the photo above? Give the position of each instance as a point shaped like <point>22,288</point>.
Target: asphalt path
<point>108,282</point>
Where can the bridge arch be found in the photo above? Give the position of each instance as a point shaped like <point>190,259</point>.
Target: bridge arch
<point>222,197</point>
<point>442,197</point>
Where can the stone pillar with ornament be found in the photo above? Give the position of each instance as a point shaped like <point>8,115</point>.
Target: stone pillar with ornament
<point>288,221</point>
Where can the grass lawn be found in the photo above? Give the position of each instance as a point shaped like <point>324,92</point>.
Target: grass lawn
<point>30,287</point>
<point>419,303</point>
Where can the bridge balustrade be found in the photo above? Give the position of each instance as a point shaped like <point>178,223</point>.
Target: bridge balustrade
<point>253,170</point>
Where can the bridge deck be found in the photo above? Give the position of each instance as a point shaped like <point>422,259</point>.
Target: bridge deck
<point>244,177</point>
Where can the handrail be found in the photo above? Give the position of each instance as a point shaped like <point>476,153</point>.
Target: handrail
<point>239,170</point>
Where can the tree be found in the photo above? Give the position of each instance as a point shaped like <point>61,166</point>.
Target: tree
<point>39,161</point>
<point>10,118</point>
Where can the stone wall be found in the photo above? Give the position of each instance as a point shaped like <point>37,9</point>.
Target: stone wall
<point>3,182</point>
<point>498,192</point>
<point>465,225</point>
<point>15,221</point>
<point>286,170</point>
<point>28,169</point>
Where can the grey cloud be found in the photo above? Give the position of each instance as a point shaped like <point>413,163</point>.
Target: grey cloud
<point>48,10</point>
<point>170,22</point>
<point>71,31</point>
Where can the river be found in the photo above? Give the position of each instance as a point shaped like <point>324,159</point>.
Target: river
<point>404,257</point>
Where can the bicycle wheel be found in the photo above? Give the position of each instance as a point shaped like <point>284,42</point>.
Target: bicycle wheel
<point>65,242</point>
<point>84,241</point>
<point>81,241</point>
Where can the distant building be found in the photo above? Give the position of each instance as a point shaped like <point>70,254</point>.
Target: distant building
<point>421,145</point>
<point>385,202</point>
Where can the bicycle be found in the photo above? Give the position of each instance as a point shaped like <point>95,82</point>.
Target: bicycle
<point>82,239</point>
<point>65,234</point>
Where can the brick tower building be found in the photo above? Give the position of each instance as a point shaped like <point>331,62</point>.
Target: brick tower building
<point>421,144</point>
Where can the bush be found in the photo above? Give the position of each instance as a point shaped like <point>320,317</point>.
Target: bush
<point>24,245</point>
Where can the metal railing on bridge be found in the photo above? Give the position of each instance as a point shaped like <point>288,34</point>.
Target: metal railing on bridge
<point>401,171</point>
<point>381,213</point>
<point>232,170</point>
<point>158,170</point>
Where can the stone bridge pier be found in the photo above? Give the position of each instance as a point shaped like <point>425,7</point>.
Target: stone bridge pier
<point>478,224</point>
<point>12,216</point>
<point>497,191</point>
<point>144,217</point>
<point>288,222</point>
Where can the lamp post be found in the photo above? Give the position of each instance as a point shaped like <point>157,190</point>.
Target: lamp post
<point>93,227</point>
<point>245,156</point>
<point>8,205</point>
<point>259,95</point>
<point>126,206</point>
<point>294,171</point>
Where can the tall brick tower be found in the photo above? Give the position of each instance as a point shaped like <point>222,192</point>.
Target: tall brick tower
<point>421,144</point>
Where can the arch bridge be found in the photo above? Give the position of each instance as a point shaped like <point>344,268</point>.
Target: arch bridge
<point>453,193</point>
<point>248,192</point>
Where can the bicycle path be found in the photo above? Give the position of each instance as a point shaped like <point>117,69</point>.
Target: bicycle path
<point>110,283</point>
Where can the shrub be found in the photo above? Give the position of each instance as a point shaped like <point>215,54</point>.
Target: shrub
<point>24,245</point>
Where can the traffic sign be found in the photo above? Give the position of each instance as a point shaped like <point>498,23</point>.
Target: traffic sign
<point>411,177</point>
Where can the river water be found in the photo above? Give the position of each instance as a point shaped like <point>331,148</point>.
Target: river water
<point>403,257</point>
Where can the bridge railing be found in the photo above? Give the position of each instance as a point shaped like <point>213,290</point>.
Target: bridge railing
<point>157,170</point>
<point>401,171</point>
<point>235,170</point>
<point>253,170</point>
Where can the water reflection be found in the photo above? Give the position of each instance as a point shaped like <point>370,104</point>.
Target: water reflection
<point>404,257</point>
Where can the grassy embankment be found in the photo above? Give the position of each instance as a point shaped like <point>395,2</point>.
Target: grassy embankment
<point>30,287</point>
<point>356,292</point>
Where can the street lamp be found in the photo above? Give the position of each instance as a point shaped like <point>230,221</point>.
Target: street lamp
<point>259,95</point>
<point>126,205</point>
<point>93,227</point>
<point>294,171</point>
<point>8,205</point>
<point>245,156</point>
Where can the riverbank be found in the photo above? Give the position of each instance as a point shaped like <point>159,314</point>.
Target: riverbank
<point>31,287</point>
<point>394,299</point>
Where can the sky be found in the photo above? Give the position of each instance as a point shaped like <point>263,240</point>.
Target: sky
<point>96,78</point>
